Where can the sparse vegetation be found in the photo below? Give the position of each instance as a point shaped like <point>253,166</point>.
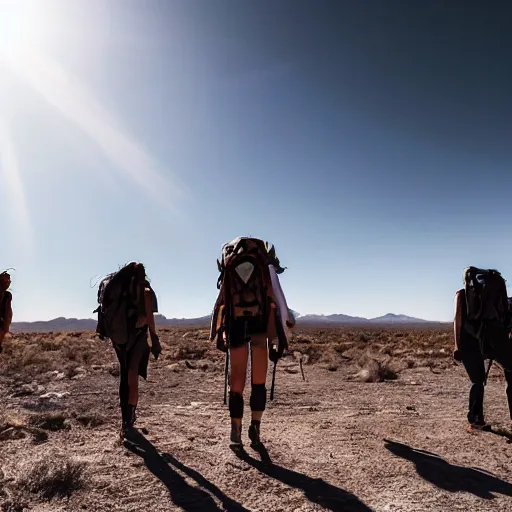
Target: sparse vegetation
<point>376,369</point>
<point>88,418</point>
<point>32,354</point>
<point>16,503</point>
<point>54,476</point>
<point>53,421</point>
<point>392,350</point>
<point>336,416</point>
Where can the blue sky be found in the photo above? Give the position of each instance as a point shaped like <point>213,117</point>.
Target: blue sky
<point>369,141</point>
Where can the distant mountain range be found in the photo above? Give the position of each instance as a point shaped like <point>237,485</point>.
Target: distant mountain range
<point>390,318</point>
<point>88,324</point>
<point>62,324</point>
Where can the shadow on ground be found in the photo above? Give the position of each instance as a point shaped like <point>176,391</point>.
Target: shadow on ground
<point>316,490</point>
<point>502,433</point>
<point>450,477</point>
<point>189,498</point>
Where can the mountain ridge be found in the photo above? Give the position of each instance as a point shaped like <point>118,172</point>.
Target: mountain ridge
<point>62,324</point>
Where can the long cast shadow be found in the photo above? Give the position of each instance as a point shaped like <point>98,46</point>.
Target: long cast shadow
<point>316,490</point>
<point>448,476</point>
<point>182,494</point>
<point>502,433</point>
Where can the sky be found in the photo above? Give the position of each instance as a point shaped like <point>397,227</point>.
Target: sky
<point>369,141</point>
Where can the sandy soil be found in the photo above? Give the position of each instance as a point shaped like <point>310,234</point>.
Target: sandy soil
<point>333,442</point>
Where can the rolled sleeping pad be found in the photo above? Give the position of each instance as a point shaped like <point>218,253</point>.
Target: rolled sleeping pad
<point>285,314</point>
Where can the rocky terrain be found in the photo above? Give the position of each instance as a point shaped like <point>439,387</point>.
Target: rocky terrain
<point>374,422</point>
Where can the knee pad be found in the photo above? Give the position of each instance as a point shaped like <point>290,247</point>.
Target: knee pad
<point>258,397</point>
<point>236,405</point>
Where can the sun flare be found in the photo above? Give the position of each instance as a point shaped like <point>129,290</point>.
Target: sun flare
<point>28,32</point>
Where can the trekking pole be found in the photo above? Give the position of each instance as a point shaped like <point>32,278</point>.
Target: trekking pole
<point>487,372</point>
<point>273,382</point>
<point>302,369</point>
<point>226,370</point>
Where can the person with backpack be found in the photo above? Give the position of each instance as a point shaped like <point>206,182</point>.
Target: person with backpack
<point>5,306</point>
<point>246,320</point>
<point>481,330</point>
<point>127,304</point>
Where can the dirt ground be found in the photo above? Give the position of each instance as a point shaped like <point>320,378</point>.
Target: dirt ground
<point>378,425</point>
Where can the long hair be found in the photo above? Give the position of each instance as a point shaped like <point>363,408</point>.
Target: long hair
<point>5,281</point>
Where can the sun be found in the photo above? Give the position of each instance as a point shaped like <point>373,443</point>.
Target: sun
<point>22,25</point>
<point>29,31</point>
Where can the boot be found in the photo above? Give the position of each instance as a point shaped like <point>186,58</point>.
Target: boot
<point>127,412</point>
<point>122,406</point>
<point>134,416</point>
<point>254,432</point>
<point>236,434</point>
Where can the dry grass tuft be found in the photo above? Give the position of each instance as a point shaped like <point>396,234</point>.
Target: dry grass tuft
<point>8,421</point>
<point>374,369</point>
<point>91,419</point>
<point>53,421</point>
<point>11,427</point>
<point>53,477</point>
<point>14,427</point>
<point>187,351</point>
<point>16,503</point>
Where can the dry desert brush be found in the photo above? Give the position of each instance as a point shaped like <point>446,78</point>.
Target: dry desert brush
<point>54,476</point>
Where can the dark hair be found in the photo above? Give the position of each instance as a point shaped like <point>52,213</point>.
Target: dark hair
<point>5,279</point>
<point>140,271</point>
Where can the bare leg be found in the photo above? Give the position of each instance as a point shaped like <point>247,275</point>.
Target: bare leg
<point>259,373</point>
<point>259,367</point>
<point>133,386</point>
<point>239,357</point>
<point>132,378</point>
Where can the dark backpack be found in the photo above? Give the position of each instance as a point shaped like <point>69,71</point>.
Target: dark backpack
<point>243,282</point>
<point>5,298</point>
<point>488,316</point>
<point>243,304</point>
<point>118,306</point>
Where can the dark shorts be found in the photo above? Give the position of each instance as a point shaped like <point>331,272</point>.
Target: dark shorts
<point>136,355</point>
<point>240,330</point>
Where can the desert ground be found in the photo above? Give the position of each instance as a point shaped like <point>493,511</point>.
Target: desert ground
<point>378,424</point>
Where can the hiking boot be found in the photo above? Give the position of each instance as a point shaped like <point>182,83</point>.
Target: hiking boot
<point>236,434</point>
<point>126,429</point>
<point>128,414</point>
<point>480,425</point>
<point>254,433</point>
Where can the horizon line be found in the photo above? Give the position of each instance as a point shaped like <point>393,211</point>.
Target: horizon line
<point>298,317</point>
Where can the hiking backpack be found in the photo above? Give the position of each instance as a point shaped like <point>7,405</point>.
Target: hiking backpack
<point>4,299</point>
<point>118,307</point>
<point>488,317</point>
<point>243,305</point>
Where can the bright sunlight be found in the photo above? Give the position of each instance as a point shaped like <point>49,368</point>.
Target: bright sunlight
<point>26,26</point>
